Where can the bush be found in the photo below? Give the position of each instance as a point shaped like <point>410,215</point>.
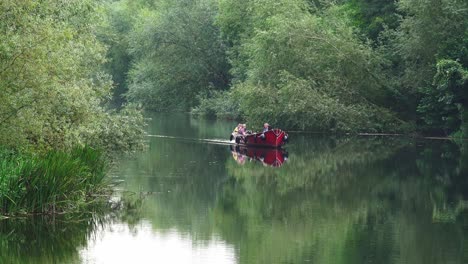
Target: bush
<point>297,104</point>
<point>54,91</point>
<point>122,131</point>
<point>51,183</point>
<point>220,104</point>
<point>445,102</point>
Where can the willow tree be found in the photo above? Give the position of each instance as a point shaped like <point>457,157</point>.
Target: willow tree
<point>304,70</point>
<point>52,88</point>
<point>178,55</point>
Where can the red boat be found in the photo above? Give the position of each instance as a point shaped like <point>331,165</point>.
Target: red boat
<point>272,138</point>
<point>267,156</point>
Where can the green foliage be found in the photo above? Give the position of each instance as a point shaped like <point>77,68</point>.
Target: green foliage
<point>296,104</point>
<point>305,70</point>
<point>430,30</point>
<point>444,103</point>
<point>452,79</point>
<point>220,104</point>
<point>113,32</point>
<point>235,22</point>
<point>363,65</point>
<point>178,54</point>
<point>55,182</point>
<point>116,131</point>
<point>374,16</point>
<point>51,82</point>
<point>286,37</point>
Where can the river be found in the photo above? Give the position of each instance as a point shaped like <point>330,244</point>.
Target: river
<point>323,199</point>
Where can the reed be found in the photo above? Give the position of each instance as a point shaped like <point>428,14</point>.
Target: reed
<point>56,182</point>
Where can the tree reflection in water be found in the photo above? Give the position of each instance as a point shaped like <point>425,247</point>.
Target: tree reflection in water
<point>45,239</point>
<point>351,201</point>
<point>344,200</point>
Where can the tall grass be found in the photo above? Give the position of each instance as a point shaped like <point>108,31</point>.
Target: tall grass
<point>51,183</point>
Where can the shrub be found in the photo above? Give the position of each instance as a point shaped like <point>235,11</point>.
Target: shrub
<point>51,183</point>
<point>220,104</point>
<point>297,104</point>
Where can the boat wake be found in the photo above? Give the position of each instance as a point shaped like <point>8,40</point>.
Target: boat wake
<point>201,140</point>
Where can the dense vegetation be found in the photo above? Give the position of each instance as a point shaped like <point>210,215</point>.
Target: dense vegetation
<point>350,65</point>
<point>53,86</point>
<point>57,182</point>
<point>54,94</point>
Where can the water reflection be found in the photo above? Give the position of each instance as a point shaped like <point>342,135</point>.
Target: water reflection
<point>148,246</point>
<point>336,200</point>
<point>272,157</point>
<point>351,201</point>
<point>44,239</point>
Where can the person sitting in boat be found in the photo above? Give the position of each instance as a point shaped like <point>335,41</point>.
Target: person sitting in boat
<point>266,127</point>
<point>242,129</point>
<point>236,129</point>
<point>235,132</point>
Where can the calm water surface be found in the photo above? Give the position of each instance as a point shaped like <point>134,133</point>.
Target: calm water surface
<point>322,200</point>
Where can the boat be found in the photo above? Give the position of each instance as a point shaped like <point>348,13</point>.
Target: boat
<point>271,157</point>
<point>272,138</point>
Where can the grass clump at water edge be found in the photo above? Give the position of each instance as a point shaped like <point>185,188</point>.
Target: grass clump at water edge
<point>56,182</point>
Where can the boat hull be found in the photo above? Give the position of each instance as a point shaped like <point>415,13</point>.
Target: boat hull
<point>274,138</point>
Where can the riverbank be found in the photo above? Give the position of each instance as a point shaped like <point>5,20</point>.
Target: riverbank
<point>53,183</point>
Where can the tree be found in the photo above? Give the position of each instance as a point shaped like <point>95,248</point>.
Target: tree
<point>113,32</point>
<point>431,30</point>
<point>52,87</point>
<point>306,70</point>
<point>178,54</point>
<point>374,16</point>
<point>445,103</point>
